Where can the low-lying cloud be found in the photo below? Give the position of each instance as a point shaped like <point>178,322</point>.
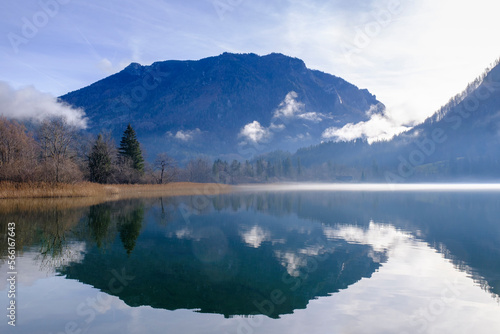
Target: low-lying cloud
<point>255,132</point>
<point>29,104</point>
<point>380,126</point>
<point>290,108</point>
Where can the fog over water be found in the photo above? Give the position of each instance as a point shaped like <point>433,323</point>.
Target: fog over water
<point>376,187</point>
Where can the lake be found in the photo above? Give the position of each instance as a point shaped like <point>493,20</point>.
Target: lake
<point>257,261</point>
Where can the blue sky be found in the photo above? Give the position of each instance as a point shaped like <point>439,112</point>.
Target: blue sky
<point>413,54</point>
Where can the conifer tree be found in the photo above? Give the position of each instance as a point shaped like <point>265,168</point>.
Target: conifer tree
<point>130,148</point>
<point>100,162</point>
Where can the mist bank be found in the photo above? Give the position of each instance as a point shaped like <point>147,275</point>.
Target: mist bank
<point>369,187</point>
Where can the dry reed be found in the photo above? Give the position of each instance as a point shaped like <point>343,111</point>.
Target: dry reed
<point>10,190</point>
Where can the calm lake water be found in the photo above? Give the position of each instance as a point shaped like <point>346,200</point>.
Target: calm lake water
<point>258,262</point>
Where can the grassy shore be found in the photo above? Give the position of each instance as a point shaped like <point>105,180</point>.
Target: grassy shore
<point>11,190</point>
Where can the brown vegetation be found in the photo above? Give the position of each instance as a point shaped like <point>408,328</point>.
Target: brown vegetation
<point>116,191</point>
<point>17,152</point>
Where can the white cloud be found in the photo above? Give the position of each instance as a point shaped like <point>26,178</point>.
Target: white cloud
<point>185,136</point>
<point>289,108</point>
<point>277,127</point>
<point>311,116</point>
<point>30,104</point>
<point>299,137</point>
<point>255,132</point>
<point>378,127</point>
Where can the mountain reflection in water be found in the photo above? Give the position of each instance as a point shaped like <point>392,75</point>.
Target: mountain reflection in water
<point>258,253</point>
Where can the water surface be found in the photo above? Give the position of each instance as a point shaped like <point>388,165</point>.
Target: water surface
<point>260,262</point>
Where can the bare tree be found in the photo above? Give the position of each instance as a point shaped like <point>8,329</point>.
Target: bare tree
<point>57,140</point>
<point>17,152</point>
<point>199,170</point>
<point>124,171</point>
<point>167,168</point>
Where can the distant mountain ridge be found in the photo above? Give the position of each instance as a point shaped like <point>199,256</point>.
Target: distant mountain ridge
<point>461,140</point>
<point>231,105</point>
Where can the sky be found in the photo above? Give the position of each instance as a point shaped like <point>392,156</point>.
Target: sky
<point>414,55</point>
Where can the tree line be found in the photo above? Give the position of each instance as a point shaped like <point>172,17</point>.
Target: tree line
<point>54,151</point>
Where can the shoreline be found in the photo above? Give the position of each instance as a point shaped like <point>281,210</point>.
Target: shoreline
<point>40,190</point>
<point>13,190</point>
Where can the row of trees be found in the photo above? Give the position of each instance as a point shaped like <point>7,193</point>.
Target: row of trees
<point>54,151</point>
<point>257,171</point>
<point>283,167</point>
<point>126,164</point>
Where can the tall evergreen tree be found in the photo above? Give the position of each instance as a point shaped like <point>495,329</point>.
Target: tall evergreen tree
<point>130,148</point>
<point>99,162</point>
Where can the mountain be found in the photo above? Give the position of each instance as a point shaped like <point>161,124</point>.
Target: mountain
<point>231,105</point>
<point>462,140</point>
<point>463,136</point>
